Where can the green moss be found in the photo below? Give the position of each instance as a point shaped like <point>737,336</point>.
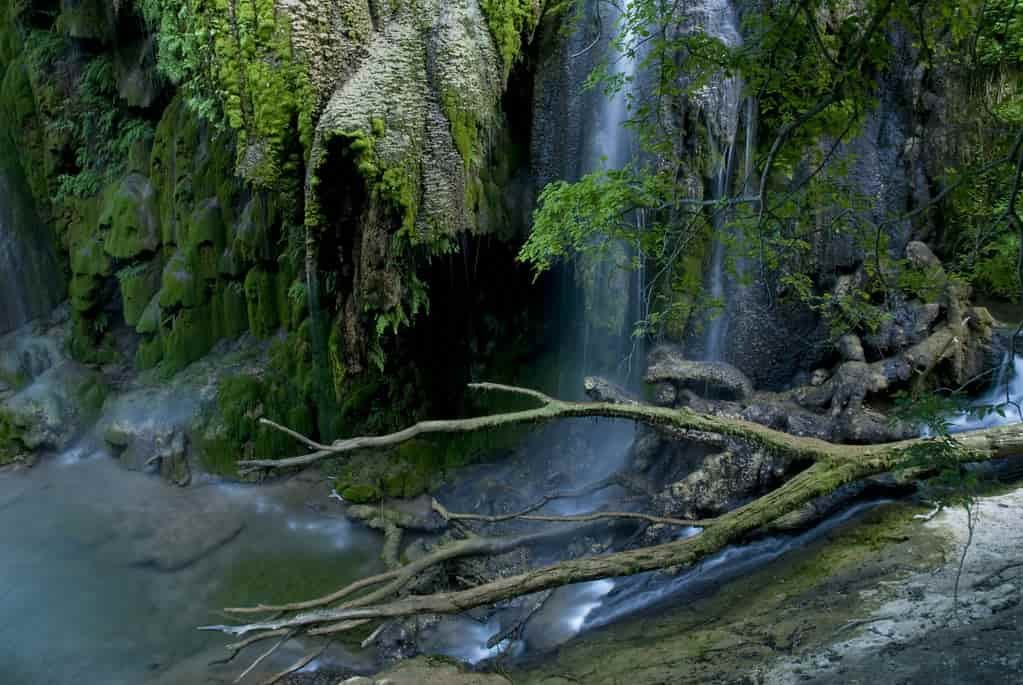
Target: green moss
<point>261,86</point>
<point>12,445</point>
<point>283,393</point>
<point>230,311</point>
<point>187,277</point>
<point>129,210</point>
<point>149,353</point>
<point>261,295</point>
<point>83,291</point>
<point>138,286</point>
<point>206,227</point>
<point>509,21</point>
<point>361,494</point>
<point>189,338</point>
<point>89,258</point>
<point>149,321</point>
<point>255,230</point>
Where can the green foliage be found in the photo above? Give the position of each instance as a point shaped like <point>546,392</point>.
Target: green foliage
<point>585,216</point>
<point>1001,39</point>
<point>813,69</point>
<point>100,133</point>
<point>508,21</point>
<point>236,64</point>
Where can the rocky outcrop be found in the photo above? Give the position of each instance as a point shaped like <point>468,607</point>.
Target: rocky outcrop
<point>713,380</point>
<point>722,482</point>
<point>46,399</point>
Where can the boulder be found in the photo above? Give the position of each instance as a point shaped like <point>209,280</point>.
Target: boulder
<point>601,390</point>
<point>713,380</point>
<point>723,482</point>
<point>851,349</point>
<point>922,256</point>
<point>819,377</point>
<point>51,411</point>
<point>147,429</point>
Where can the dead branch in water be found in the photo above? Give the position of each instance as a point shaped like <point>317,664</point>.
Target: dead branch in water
<point>829,467</point>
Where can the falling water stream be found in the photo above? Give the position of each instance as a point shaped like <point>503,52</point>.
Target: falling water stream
<point>721,102</point>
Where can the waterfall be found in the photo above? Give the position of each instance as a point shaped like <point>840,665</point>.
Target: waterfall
<point>610,291</point>
<point>721,103</point>
<point>31,283</point>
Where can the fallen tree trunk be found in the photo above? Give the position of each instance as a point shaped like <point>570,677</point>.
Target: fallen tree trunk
<point>828,467</point>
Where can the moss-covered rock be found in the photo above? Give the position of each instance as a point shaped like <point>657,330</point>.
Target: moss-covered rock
<point>138,286</point>
<point>189,337</point>
<point>129,212</point>
<point>281,392</point>
<point>206,227</point>
<point>230,311</point>
<point>266,301</point>
<point>83,291</point>
<point>149,321</point>
<point>187,277</point>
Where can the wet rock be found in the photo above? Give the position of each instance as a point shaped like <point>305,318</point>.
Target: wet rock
<point>433,670</point>
<point>186,539</point>
<point>414,514</point>
<point>601,390</point>
<point>27,354</point>
<point>147,428</point>
<point>665,395</point>
<point>921,256</point>
<point>50,412</point>
<point>714,380</point>
<point>819,377</point>
<point>723,482</point>
<point>851,349</point>
<point>870,428</point>
<point>908,323</point>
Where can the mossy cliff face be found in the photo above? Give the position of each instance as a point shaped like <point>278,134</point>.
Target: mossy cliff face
<point>304,171</point>
<point>406,131</point>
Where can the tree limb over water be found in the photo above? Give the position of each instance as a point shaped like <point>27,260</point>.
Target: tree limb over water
<point>825,467</point>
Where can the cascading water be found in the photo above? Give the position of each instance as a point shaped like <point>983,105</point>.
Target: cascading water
<point>721,102</point>
<point>1006,393</point>
<point>609,290</point>
<point>30,280</point>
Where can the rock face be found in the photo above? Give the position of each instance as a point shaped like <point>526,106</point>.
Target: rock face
<point>722,482</point>
<point>714,380</point>
<point>406,128</point>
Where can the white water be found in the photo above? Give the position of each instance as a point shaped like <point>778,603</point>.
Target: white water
<point>1006,393</point>
<point>610,291</point>
<point>640,593</point>
<point>721,101</point>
